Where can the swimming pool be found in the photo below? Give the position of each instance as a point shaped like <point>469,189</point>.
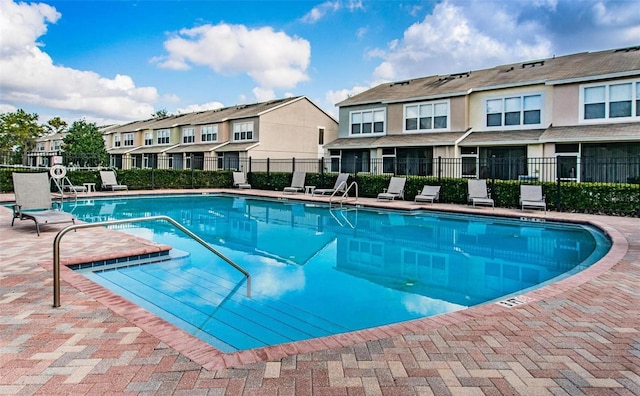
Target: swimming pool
<point>319,272</point>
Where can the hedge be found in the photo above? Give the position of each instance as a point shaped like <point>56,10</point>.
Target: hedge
<point>593,198</point>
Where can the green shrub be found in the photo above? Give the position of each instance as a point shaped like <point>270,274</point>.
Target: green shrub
<point>594,198</point>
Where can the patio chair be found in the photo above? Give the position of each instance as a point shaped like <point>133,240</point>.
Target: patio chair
<point>531,197</point>
<point>428,194</point>
<point>33,201</point>
<point>109,181</point>
<point>478,193</point>
<point>395,189</point>
<point>297,183</point>
<point>240,180</point>
<point>339,186</point>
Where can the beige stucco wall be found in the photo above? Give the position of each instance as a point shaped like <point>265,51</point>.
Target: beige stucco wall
<point>566,104</point>
<point>477,105</point>
<point>457,115</point>
<point>292,131</point>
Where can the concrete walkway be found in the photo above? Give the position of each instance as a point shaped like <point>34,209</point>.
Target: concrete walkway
<point>578,336</point>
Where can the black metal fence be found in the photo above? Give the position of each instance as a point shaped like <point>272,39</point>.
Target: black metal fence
<point>618,170</point>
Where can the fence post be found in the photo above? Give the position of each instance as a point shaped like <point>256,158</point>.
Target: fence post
<point>493,173</point>
<point>249,170</point>
<point>558,196</point>
<point>439,169</point>
<point>268,166</point>
<point>153,178</point>
<point>638,183</point>
<point>293,164</point>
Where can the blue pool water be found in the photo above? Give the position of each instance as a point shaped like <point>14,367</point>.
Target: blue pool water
<point>317,272</point>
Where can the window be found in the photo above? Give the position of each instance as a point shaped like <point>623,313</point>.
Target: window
<point>163,136</point>
<point>514,111</point>
<point>209,133</point>
<point>116,140</point>
<point>148,138</point>
<point>243,131</point>
<point>320,135</point>
<point>619,100</point>
<point>40,146</point>
<point>57,144</point>
<point>367,122</point>
<point>128,139</point>
<point>188,135</point>
<point>426,116</point>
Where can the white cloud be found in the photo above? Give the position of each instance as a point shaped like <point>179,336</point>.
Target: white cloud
<point>201,107</point>
<point>334,97</point>
<point>30,77</point>
<point>272,59</point>
<point>454,38</point>
<point>263,95</point>
<point>320,11</point>
<point>619,14</point>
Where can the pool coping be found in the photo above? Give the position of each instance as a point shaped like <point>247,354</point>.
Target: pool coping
<point>211,358</point>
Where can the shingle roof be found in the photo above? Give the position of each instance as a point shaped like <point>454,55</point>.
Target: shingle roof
<point>550,71</point>
<point>503,137</point>
<point>405,140</point>
<point>586,133</point>
<point>205,117</point>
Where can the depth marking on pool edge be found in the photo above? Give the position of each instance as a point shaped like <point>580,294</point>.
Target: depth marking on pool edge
<point>515,301</point>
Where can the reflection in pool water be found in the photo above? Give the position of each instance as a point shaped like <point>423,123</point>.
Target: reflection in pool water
<point>317,272</point>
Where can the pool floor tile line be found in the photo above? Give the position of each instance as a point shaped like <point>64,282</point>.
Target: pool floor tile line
<point>578,336</point>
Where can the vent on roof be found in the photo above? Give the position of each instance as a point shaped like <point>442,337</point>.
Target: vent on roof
<point>628,49</point>
<point>459,75</point>
<point>405,82</point>
<point>533,64</point>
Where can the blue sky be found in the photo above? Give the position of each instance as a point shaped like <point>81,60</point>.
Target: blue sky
<point>113,61</point>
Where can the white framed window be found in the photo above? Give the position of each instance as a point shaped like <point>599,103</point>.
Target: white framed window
<point>148,138</point>
<point>209,133</point>
<point>514,111</point>
<point>188,135</point>
<point>57,144</point>
<point>615,101</point>
<point>243,131</point>
<point>426,117</point>
<point>116,140</point>
<point>40,146</point>
<point>367,122</point>
<point>128,139</point>
<point>163,136</point>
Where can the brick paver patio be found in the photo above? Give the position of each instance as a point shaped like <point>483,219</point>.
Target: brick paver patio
<point>578,336</point>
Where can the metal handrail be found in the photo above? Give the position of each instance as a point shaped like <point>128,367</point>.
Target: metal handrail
<point>345,194</point>
<point>56,248</point>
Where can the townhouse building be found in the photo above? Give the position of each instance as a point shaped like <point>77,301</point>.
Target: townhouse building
<point>225,138</point>
<point>582,111</point>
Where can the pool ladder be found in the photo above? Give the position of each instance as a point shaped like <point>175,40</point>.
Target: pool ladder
<point>56,248</point>
<point>345,195</point>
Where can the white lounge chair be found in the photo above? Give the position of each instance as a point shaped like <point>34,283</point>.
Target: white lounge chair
<point>33,201</point>
<point>428,194</point>
<point>297,183</point>
<point>478,193</point>
<point>109,181</point>
<point>339,186</point>
<point>531,197</point>
<point>395,189</point>
<point>240,180</point>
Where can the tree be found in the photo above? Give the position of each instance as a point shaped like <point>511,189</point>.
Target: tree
<point>160,114</point>
<point>56,125</point>
<point>18,133</point>
<point>83,145</point>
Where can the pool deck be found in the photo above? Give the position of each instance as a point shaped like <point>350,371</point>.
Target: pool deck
<point>580,336</point>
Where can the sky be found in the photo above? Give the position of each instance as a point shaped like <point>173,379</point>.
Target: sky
<point>115,61</point>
